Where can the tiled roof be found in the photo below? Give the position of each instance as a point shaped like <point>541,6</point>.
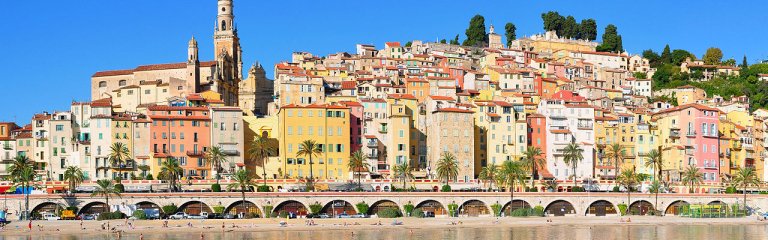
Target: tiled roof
<point>152,67</point>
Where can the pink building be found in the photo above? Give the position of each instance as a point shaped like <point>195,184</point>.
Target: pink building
<point>695,126</point>
<point>355,124</point>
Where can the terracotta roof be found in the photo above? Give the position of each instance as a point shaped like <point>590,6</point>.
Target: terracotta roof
<point>441,98</point>
<point>457,110</point>
<point>112,73</point>
<point>348,85</point>
<point>327,106</point>
<point>152,67</point>
<point>176,108</point>
<point>351,103</point>
<point>681,107</point>
<point>393,44</point>
<point>401,96</point>
<point>536,115</point>
<point>493,115</point>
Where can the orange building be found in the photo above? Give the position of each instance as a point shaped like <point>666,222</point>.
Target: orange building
<point>537,137</point>
<point>182,133</point>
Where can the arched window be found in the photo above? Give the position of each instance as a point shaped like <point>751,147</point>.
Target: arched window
<point>123,83</point>
<point>102,84</point>
<point>265,134</point>
<point>223,25</point>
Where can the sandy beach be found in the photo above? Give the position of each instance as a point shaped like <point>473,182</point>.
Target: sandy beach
<point>272,224</point>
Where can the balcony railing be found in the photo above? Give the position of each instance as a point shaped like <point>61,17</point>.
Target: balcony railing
<point>195,153</point>
<point>230,152</point>
<point>373,155</point>
<point>124,165</point>
<point>584,126</point>
<point>7,146</point>
<point>372,144</point>
<point>690,134</point>
<point>382,130</point>
<point>675,134</point>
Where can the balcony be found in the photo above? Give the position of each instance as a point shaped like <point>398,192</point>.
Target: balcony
<point>373,155</point>
<point>736,145</point>
<point>383,130</point>
<point>128,165</point>
<point>7,147</point>
<point>230,152</point>
<point>195,153</point>
<point>585,126</point>
<point>690,134</point>
<point>84,142</point>
<point>642,154</point>
<point>674,133</point>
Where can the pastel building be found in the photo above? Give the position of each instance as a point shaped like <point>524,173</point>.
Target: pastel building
<point>692,128</point>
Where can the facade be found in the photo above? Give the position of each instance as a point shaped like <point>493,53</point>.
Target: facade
<point>690,132</point>
<point>227,133</point>
<point>451,132</point>
<point>182,133</point>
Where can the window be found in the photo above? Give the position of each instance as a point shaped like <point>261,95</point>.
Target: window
<point>102,84</point>
<point>59,128</point>
<point>122,83</point>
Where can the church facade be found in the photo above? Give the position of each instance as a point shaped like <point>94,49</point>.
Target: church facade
<point>159,84</point>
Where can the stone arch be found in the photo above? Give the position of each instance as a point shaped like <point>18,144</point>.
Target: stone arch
<point>46,207</point>
<point>148,205</point>
<point>717,202</point>
<point>640,207</point>
<point>432,206</point>
<point>291,206</point>
<point>676,208</point>
<point>559,208</point>
<point>336,207</point>
<point>381,205</point>
<point>474,208</point>
<point>514,205</point>
<point>194,207</point>
<point>601,208</point>
<point>94,207</point>
<point>244,209</point>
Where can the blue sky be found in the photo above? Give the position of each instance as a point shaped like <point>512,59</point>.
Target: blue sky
<point>50,49</point>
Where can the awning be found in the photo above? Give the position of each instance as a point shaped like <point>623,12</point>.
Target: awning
<point>5,189</point>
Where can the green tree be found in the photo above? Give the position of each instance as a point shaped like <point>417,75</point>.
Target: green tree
<point>74,176</point>
<point>455,40</point>
<point>443,41</point>
<point>512,172</point>
<point>588,29</point>
<point>746,177</point>
<point>447,167</point>
<point>713,56</point>
<point>261,149</point>
<point>570,28</point>
<point>105,188</point>
<point>476,35</point>
<point>170,170</point>
<point>573,155</point>
<point>510,32</point>
<point>666,55</point>
<point>215,157</point>
<point>552,21</point>
<point>611,40</point>
<point>678,56</point>
<point>404,171</point>
<point>531,160</point>
<point>489,174</point>
<point>357,164</point>
<point>310,149</point>
<point>616,152</point>
<point>23,175</point>
<point>744,63</point>
<point>118,156</point>
<point>653,160</point>
<point>243,181</point>
<point>628,179</point>
<point>653,58</point>
<point>408,44</point>
<point>730,62</point>
<point>692,176</point>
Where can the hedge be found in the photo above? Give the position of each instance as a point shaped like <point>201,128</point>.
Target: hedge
<point>315,208</point>
<point>268,211</point>
<point>389,213</point>
<point>263,188</point>
<point>452,209</point>
<point>216,187</point>
<point>170,209</point>
<point>218,209</point>
<point>622,209</point>
<point>362,207</point>
<point>496,209</point>
<point>140,214</point>
<point>110,215</point>
<point>445,188</point>
<point>408,209</point>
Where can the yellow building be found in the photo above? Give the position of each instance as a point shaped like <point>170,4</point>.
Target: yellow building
<point>416,139</point>
<point>646,139</point>
<point>266,126</point>
<point>122,132</point>
<point>328,126</point>
<point>396,136</point>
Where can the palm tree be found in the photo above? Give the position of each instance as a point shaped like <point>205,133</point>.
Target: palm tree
<point>404,171</point>
<point>489,173</point>
<point>74,175</point>
<point>242,181</point>
<point>655,187</point>
<point>628,179</point>
<point>356,164</point>
<point>310,148</point>
<point>447,167</point>
<point>572,155</point>
<point>692,176</point>
<point>616,152</point>
<point>512,172</point>
<point>216,157</point>
<point>262,150</point>
<point>118,155</point>
<point>653,160</point>
<point>531,160</point>
<point>105,188</point>
<point>170,170</point>
<point>23,175</point>
<point>746,177</point>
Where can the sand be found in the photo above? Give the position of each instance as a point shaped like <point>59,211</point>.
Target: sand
<point>70,227</point>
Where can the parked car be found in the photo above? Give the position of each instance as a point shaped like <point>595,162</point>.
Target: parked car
<point>178,215</point>
<point>344,215</point>
<point>50,216</point>
<point>323,215</point>
<point>429,214</point>
<point>229,216</point>
<point>202,215</point>
<point>359,215</point>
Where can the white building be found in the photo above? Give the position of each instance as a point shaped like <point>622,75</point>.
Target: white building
<point>568,123</point>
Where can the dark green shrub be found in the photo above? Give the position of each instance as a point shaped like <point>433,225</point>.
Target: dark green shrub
<point>315,208</point>
<point>273,215</point>
<point>218,209</point>
<point>417,213</point>
<point>537,211</point>
<point>445,188</point>
<point>263,188</point>
<point>283,214</point>
<point>521,212</point>
<point>170,209</point>
<point>216,187</point>
<point>731,190</point>
<point>251,215</point>
<point>119,188</point>
<point>362,207</point>
<point>149,177</point>
<point>453,209</point>
<point>408,209</point>
<point>530,189</point>
<point>615,189</point>
<point>389,213</point>
<point>140,214</point>
<point>110,215</point>
<point>577,189</point>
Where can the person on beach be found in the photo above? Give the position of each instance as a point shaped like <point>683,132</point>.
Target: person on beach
<point>222,226</point>
<point>30,225</point>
